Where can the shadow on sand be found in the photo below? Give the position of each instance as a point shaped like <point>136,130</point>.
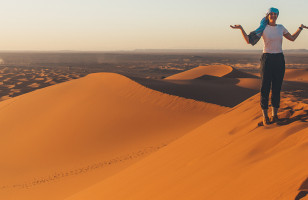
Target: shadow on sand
<point>288,120</point>
<point>210,89</point>
<point>302,193</point>
<point>302,118</point>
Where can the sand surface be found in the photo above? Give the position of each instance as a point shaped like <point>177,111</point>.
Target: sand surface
<point>211,70</point>
<point>300,75</point>
<point>74,127</point>
<point>107,136</point>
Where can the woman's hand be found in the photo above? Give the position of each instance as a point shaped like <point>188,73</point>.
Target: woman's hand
<point>303,26</point>
<point>236,26</point>
<point>242,30</point>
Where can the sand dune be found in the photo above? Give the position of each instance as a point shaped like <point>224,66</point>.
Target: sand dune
<point>211,70</point>
<point>250,83</point>
<point>79,132</point>
<point>205,72</point>
<point>217,84</point>
<point>297,75</point>
<point>239,74</point>
<point>229,157</point>
<point>107,136</point>
<point>218,90</point>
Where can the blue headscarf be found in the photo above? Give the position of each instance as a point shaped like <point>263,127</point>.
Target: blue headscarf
<point>255,35</point>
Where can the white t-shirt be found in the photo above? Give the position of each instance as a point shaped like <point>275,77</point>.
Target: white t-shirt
<point>272,37</point>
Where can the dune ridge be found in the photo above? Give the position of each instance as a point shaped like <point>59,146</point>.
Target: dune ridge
<point>217,84</point>
<point>210,72</point>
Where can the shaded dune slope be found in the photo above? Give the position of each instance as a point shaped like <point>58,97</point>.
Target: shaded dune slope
<point>220,91</point>
<point>229,157</point>
<point>218,84</point>
<point>73,134</point>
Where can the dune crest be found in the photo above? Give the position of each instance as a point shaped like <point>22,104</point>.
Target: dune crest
<point>210,72</point>
<point>218,84</point>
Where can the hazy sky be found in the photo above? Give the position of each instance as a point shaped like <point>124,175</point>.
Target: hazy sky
<point>141,24</point>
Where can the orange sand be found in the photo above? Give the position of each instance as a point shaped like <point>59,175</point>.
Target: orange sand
<point>74,126</point>
<point>210,70</point>
<point>297,75</point>
<point>105,136</point>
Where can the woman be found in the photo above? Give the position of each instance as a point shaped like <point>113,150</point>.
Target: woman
<point>272,59</point>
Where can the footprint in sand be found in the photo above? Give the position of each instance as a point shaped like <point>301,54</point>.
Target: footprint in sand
<point>82,170</point>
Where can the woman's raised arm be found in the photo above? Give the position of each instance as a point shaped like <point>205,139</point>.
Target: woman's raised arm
<point>295,35</point>
<point>243,32</point>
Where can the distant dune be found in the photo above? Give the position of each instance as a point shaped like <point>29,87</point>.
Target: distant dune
<point>207,71</point>
<point>210,70</point>
<point>107,136</point>
<point>217,84</point>
<point>297,75</point>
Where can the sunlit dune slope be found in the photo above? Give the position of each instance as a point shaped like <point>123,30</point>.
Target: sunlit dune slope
<point>210,70</point>
<point>60,139</point>
<point>229,157</point>
<point>205,72</point>
<point>249,83</point>
<point>296,75</point>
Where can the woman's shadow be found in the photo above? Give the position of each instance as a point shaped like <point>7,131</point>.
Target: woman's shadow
<point>299,91</point>
<point>303,190</point>
<point>287,120</point>
<point>301,194</point>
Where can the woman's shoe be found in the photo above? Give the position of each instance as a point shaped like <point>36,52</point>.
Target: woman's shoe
<point>275,119</point>
<point>266,121</point>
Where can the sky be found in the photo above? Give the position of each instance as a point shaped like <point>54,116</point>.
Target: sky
<point>105,25</point>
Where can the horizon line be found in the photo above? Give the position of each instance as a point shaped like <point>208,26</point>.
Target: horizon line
<point>142,50</point>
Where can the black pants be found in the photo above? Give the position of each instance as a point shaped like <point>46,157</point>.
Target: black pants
<point>272,73</point>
